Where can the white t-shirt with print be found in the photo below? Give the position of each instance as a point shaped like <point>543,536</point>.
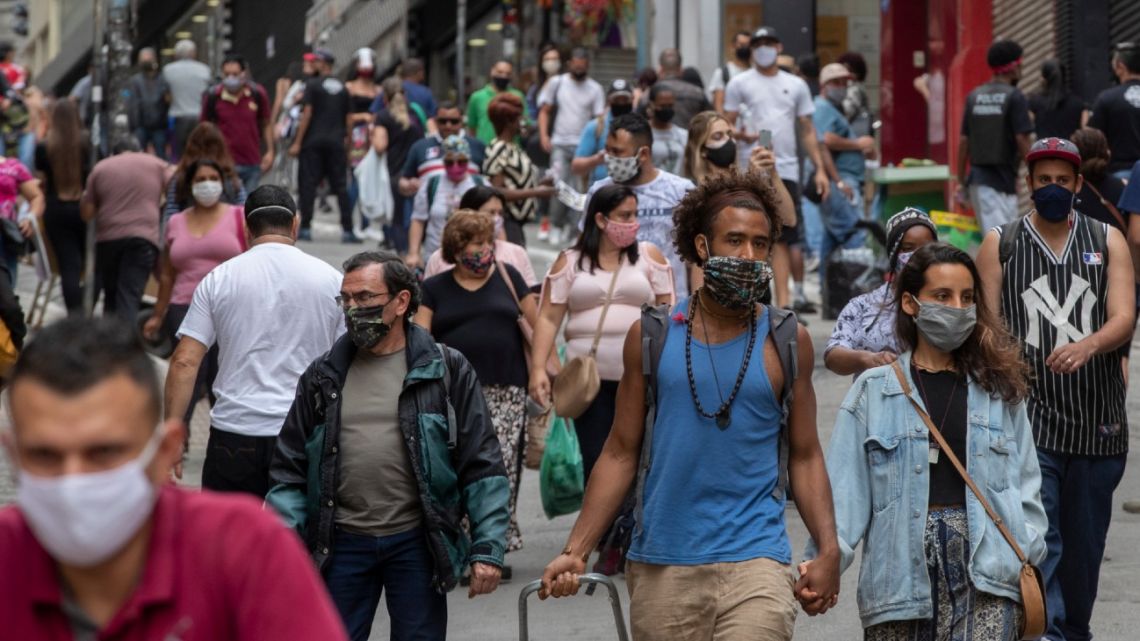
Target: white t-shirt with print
<point>576,103</point>
<point>774,103</point>
<point>272,311</point>
<point>656,201</point>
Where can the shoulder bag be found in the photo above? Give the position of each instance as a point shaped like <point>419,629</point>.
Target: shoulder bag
<point>553,365</point>
<point>578,384</point>
<point>1032,586</point>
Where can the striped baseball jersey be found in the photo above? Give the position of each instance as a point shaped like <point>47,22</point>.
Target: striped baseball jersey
<point>1049,301</point>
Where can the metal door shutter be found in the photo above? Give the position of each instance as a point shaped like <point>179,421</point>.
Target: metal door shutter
<point>1124,21</point>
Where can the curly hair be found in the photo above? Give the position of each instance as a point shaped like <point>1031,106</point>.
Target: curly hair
<point>700,207</point>
<point>991,355</point>
<point>464,226</point>
<point>504,111</point>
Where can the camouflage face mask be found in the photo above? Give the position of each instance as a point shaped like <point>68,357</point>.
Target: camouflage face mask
<point>366,325</point>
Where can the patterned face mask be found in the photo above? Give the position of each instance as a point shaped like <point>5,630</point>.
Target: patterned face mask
<point>478,262</point>
<point>736,283</point>
<point>623,169</point>
<point>366,325</point>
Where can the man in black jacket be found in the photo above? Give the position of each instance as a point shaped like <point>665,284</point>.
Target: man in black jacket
<point>388,445</point>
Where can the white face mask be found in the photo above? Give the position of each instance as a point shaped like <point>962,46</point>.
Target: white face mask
<point>84,519</point>
<point>551,67</point>
<point>765,56</point>
<point>622,169</point>
<point>207,193</point>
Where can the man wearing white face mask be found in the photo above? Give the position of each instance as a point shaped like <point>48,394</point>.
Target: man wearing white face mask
<point>103,548</point>
<point>240,108</point>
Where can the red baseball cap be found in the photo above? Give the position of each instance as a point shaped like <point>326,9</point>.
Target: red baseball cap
<point>1054,148</point>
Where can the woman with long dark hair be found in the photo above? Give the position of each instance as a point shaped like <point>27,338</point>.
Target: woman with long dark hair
<point>606,255</point>
<point>205,142</point>
<point>1057,112</point>
<point>63,161</point>
<point>956,578</point>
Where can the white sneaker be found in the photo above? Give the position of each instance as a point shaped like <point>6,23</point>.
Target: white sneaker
<point>555,236</point>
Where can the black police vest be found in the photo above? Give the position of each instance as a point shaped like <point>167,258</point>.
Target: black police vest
<point>988,111</point>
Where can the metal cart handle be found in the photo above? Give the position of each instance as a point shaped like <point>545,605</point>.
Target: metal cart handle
<point>585,579</point>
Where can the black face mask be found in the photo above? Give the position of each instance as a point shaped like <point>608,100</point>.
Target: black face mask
<point>578,75</point>
<point>620,110</point>
<point>501,83</point>
<point>743,54</point>
<point>663,115</point>
<point>723,156</point>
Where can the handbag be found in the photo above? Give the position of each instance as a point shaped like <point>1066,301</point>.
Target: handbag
<point>578,384</point>
<point>1032,585</point>
<point>553,365</point>
<point>12,238</point>
<point>375,198</point>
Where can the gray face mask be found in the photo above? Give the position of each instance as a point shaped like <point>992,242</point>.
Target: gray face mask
<point>945,327</point>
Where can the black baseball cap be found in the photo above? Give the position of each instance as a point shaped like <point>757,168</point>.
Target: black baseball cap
<point>765,33</point>
<point>620,87</point>
<point>324,55</point>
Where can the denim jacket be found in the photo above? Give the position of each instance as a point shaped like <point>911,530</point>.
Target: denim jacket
<point>878,464</point>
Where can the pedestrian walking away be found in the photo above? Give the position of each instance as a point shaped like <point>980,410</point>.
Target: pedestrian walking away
<point>389,444</point>
<point>599,288</point>
<point>731,556</point>
<point>123,196</point>
<point>995,137</point>
<point>1116,111</point>
<point>270,311</point>
<point>482,299</point>
<point>90,448</point>
<point>957,579</point>
<point>188,79</point>
<point>1064,285</point>
<point>63,162</point>
<point>394,132</point>
<point>864,334</point>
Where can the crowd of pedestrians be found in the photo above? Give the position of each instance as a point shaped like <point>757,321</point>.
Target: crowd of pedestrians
<point>383,410</point>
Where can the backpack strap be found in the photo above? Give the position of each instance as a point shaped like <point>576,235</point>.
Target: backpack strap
<point>432,188</point>
<point>654,328</point>
<point>1099,232</point>
<point>724,77</point>
<point>452,425</point>
<point>783,327</point>
<point>1008,239</point>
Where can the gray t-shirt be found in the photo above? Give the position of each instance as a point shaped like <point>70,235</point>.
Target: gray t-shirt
<point>377,494</point>
<point>669,149</point>
<point>188,80</point>
<point>576,102</point>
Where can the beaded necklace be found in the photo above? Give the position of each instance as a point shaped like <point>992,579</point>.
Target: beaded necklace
<point>723,414</point>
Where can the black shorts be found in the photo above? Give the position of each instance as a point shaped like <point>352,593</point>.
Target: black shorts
<point>793,236</point>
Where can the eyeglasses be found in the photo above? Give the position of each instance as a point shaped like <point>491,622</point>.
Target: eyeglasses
<point>447,121</point>
<point>363,299</point>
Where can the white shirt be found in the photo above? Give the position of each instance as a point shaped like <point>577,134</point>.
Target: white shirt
<point>576,103</point>
<point>656,201</point>
<point>775,103</point>
<point>718,81</point>
<point>188,79</point>
<point>272,311</point>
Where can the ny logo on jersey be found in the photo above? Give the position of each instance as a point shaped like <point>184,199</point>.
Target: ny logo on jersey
<point>1040,302</point>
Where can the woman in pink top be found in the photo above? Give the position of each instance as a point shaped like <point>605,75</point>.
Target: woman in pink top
<point>577,284</point>
<point>197,240</point>
<point>17,182</point>
<point>488,200</point>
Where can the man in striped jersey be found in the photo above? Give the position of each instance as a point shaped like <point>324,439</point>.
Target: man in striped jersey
<point>1064,284</point>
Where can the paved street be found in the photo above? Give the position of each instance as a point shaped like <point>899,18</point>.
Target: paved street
<point>495,617</point>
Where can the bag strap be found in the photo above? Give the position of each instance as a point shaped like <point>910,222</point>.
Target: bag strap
<point>1108,205</point>
<point>958,465</point>
<point>239,222</point>
<point>452,425</point>
<point>783,326</point>
<point>1008,239</point>
<point>511,286</point>
<point>432,188</point>
<point>654,329</point>
<point>605,308</point>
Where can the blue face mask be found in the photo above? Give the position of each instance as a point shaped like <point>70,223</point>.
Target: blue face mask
<point>1053,202</point>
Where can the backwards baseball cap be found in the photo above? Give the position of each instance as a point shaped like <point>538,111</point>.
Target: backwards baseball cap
<point>1004,56</point>
<point>833,71</point>
<point>765,33</point>
<point>1054,148</point>
<point>620,87</point>
<point>898,224</point>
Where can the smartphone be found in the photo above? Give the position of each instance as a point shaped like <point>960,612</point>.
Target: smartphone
<point>765,139</point>
<point>533,408</point>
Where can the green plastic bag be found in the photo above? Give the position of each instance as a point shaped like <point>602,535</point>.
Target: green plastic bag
<point>560,477</point>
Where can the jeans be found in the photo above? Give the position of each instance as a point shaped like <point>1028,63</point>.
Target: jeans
<point>157,137</point>
<point>237,463</point>
<point>813,227</point>
<point>1077,494</point>
<point>67,234</point>
<point>838,216</point>
<point>561,215</point>
<point>122,267</point>
<point>250,176</point>
<point>400,567</point>
<point>328,162</point>
<point>25,149</point>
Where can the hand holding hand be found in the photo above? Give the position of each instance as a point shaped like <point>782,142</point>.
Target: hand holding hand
<point>817,589</point>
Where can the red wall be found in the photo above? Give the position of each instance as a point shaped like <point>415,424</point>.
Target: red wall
<point>903,109</point>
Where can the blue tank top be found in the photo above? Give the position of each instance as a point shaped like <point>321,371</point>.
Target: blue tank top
<point>708,495</point>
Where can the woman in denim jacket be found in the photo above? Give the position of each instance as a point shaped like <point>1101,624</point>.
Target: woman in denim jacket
<point>934,565</point>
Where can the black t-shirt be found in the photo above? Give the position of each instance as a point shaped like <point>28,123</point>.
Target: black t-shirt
<point>1116,112</point>
<point>1002,176</point>
<point>329,100</point>
<point>400,139</point>
<point>1058,122</point>
<point>482,325</point>
<point>43,165</point>
<point>1111,188</point>
<point>945,396</point>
